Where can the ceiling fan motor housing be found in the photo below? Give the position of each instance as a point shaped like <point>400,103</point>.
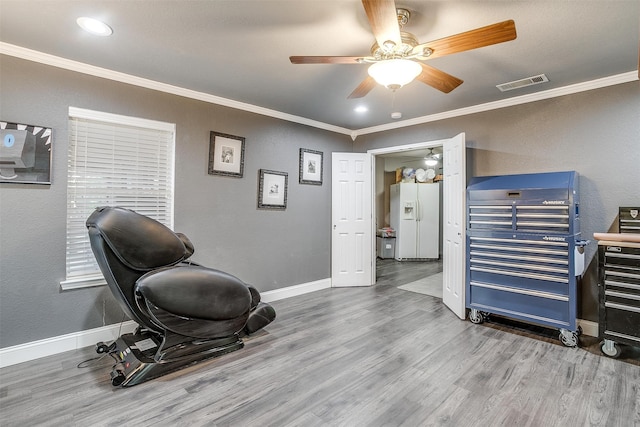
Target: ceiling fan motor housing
<point>393,51</point>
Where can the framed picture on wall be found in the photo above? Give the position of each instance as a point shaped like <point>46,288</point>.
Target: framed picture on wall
<point>25,153</point>
<point>310,167</point>
<point>226,154</point>
<point>272,189</point>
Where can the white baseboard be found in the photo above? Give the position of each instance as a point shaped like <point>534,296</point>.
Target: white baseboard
<point>292,291</point>
<point>54,345</point>
<point>588,327</point>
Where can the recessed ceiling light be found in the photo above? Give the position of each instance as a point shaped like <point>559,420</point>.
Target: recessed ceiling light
<point>361,109</point>
<point>94,26</point>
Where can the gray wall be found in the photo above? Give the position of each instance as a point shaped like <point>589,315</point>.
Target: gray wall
<point>596,133</point>
<point>270,249</point>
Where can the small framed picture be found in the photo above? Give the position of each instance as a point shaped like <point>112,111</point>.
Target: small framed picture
<point>272,189</point>
<point>310,167</point>
<point>226,155</point>
<point>25,153</point>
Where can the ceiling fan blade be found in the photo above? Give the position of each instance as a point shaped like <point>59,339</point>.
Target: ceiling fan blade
<point>363,88</point>
<point>438,79</point>
<point>325,59</point>
<point>480,37</point>
<point>383,19</point>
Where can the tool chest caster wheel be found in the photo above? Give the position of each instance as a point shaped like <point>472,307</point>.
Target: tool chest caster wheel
<point>610,348</point>
<point>568,338</point>
<point>475,316</point>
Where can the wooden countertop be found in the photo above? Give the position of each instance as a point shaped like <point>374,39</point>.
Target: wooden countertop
<point>620,239</point>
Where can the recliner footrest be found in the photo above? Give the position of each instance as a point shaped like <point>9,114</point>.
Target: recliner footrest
<point>260,317</point>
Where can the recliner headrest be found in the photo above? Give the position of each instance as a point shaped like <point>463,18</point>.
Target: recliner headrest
<point>138,241</point>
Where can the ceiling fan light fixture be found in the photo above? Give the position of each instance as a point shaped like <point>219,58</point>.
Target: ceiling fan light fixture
<point>395,73</point>
<point>431,159</point>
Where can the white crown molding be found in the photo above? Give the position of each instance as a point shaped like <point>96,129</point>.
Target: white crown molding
<point>518,100</point>
<point>56,61</point>
<point>67,64</point>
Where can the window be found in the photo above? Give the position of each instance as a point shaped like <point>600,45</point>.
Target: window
<point>113,161</point>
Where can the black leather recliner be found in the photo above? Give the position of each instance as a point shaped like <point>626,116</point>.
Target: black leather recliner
<point>186,312</point>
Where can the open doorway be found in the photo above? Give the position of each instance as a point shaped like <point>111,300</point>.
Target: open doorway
<point>357,248</point>
<point>453,216</point>
<point>408,218</point>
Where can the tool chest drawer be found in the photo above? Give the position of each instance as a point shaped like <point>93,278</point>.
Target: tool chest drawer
<point>533,306</point>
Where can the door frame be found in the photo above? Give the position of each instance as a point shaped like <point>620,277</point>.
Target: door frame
<point>389,150</point>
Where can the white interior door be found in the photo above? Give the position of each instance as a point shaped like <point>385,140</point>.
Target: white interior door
<point>351,204</point>
<point>454,196</point>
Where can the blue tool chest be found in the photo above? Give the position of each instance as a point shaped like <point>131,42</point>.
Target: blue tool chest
<point>524,250</point>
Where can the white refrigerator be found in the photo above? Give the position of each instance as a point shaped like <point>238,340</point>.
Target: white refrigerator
<point>415,216</point>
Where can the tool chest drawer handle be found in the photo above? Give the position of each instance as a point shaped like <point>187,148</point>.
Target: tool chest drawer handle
<point>553,252</point>
<point>520,266</point>
<point>622,295</point>
<point>620,255</point>
<point>519,241</point>
<point>544,277</point>
<point>622,307</point>
<point>490,222</point>
<point>622,285</point>
<point>546,260</point>
<point>619,335</point>
<point>615,273</point>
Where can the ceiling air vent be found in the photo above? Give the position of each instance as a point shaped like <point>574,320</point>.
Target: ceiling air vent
<point>529,81</point>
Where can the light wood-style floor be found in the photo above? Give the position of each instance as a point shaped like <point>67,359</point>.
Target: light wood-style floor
<point>376,356</point>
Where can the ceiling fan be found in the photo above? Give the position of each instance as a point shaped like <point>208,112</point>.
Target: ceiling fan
<point>396,54</point>
<point>432,158</point>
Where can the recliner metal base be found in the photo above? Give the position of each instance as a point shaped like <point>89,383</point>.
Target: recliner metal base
<point>135,363</point>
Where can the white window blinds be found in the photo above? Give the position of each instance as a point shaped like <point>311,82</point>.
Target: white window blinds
<point>113,161</point>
